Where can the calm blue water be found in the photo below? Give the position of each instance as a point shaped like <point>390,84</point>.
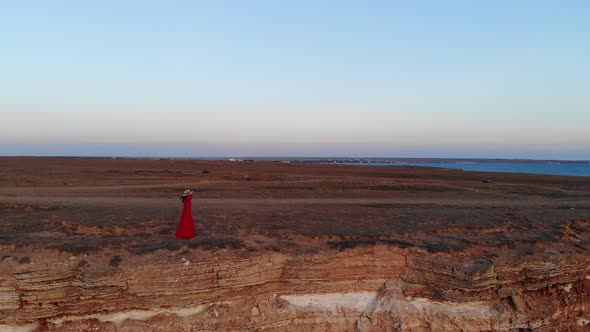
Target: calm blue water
<point>534,168</point>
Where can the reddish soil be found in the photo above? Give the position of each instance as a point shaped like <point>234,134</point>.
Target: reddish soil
<point>86,204</point>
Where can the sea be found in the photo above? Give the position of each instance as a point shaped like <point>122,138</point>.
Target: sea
<point>553,168</point>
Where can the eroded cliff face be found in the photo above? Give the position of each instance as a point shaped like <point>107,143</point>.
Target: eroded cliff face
<point>88,245</point>
<point>371,288</point>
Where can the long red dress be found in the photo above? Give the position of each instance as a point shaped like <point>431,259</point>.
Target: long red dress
<point>186,228</point>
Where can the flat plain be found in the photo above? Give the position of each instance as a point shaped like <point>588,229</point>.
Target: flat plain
<point>85,204</point>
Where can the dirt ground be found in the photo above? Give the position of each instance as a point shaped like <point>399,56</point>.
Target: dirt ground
<point>86,204</point>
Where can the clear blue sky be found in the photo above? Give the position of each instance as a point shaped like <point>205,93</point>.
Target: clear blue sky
<point>296,78</point>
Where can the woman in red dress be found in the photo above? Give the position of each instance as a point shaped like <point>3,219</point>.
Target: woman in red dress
<point>186,228</point>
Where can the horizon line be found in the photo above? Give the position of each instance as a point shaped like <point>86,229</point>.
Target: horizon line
<point>283,158</point>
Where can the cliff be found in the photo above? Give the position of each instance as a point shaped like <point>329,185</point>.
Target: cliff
<point>330,263</point>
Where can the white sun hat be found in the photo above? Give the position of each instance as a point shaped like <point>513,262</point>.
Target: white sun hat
<point>187,192</point>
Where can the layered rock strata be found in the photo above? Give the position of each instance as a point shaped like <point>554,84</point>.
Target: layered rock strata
<point>377,288</point>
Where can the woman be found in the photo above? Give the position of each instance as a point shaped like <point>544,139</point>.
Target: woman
<point>186,228</point>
